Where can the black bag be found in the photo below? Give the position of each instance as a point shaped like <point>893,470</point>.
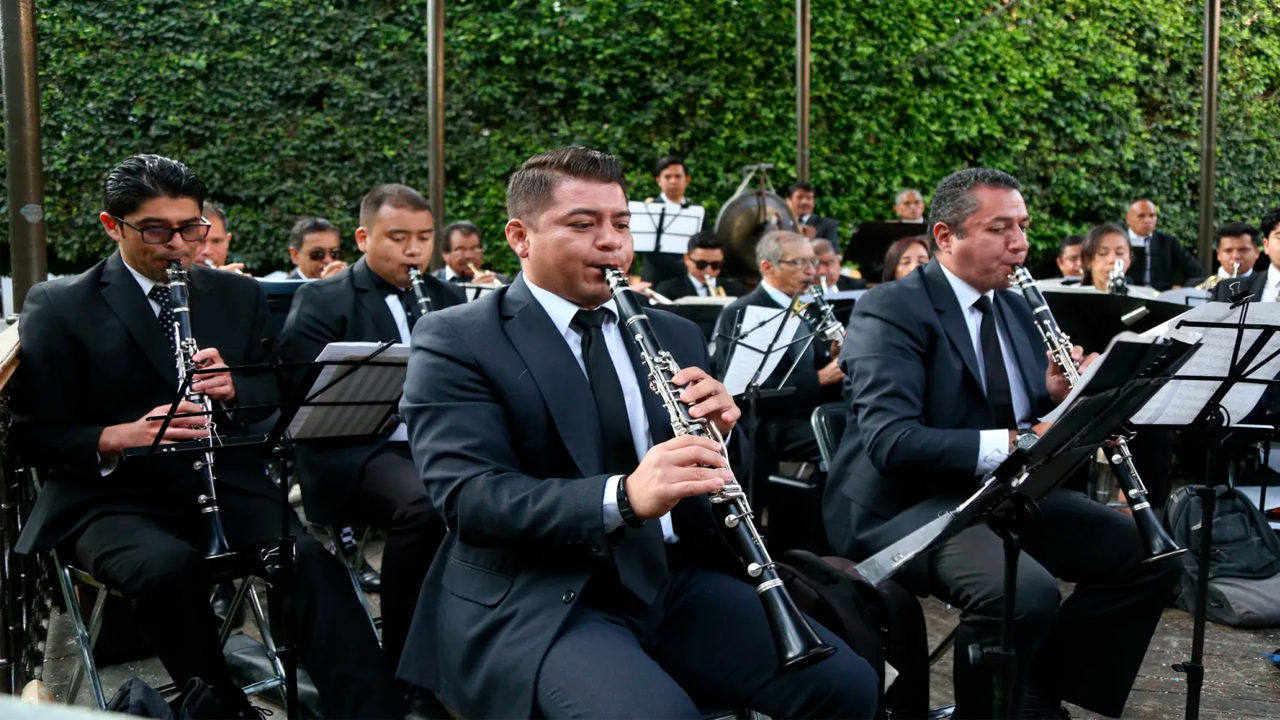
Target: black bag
<point>135,697</point>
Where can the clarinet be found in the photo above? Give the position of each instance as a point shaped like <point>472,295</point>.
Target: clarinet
<point>1116,282</point>
<point>420,290</point>
<point>797,644</point>
<point>185,342</point>
<point>1155,541</point>
<point>819,316</point>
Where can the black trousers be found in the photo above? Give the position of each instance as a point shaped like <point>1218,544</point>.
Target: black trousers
<point>154,562</point>
<point>1086,651</point>
<point>391,496</point>
<point>706,636</point>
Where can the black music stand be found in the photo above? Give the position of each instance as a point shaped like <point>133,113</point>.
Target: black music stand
<point>870,242</point>
<point>1092,318</point>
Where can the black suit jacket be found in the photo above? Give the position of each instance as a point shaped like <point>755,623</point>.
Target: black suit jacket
<point>805,377</point>
<point>345,307</point>
<point>915,408</point>
<point>825,229</point>
<point>1170,261</point>
<point>511,457</point>
<point>678,287</point>
<point>1255,283</point>
<point>844,282</point>
<point>94,355</point>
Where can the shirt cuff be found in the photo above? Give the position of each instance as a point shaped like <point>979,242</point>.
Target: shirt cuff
<point>107,466</point>
<point>612,517</point>
<point>993,448</point>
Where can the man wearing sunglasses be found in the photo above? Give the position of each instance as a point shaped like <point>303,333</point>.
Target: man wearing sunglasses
<point>702,261</point>
<point>315,247</point>
<point>98,359</point>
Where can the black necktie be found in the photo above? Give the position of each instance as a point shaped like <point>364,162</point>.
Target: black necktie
<point>160,294</point>
<point>998,393</point>
<point>640,557</point>
<point>409,299</point>
<point>1138,264</point>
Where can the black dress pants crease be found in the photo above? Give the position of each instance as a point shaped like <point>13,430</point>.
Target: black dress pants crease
<point>153,562</point>
<point>706,635</point>
<point>391,495</point>
<point>1087,650</point>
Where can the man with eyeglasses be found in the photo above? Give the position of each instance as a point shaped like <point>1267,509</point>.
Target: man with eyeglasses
<point>315,248</point>
<point>829,275</point>
<point>463,253</point>
<point>98,359</point>
<point>702,261</point>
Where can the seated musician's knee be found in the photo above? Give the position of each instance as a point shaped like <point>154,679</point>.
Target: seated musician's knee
<point>169,566</point>
<point>843,686</point>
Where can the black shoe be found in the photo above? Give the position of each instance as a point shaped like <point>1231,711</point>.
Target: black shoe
<point>370,580</point>
<point>223,595</point>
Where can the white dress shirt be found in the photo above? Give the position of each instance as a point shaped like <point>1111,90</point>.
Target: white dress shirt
<point>1225,274</point>
<point>782,299</point>
<point>146,284</point>
<point>993,445</point>
<point>1271,290</point>
<point>401,433</point>
<point>562,312</point>
<point>699,286</point>
<point>449,274</point>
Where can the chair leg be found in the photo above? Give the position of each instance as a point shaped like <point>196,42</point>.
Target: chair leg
<point>264,628</point>
<point>352,564</point>
<point>224,632</point>
<point>84,640</point>
<point>941,650</point>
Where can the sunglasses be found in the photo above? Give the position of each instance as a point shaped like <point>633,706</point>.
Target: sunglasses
<point>704,264</point>
<point>318,254</point>
<point>162,235</point>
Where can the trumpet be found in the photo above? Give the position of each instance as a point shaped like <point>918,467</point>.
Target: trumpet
<point>420,291</point>
<point>1156,543</point>
<point>797,644</point>
<point>713,289</point>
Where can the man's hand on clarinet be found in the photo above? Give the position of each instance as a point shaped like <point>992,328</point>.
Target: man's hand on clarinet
<point>217,386</point>
<point>708,397</point>
<point>1056,381</point>
<point>142,432</point>
<point>674,470</point>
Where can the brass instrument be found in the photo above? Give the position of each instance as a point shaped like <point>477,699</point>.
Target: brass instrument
<point>1212,281</point>
<point>420,291</point>
<point>797,644</point>
<point>713,289</point>
<point>185,344</point>
<point>1156,543</point>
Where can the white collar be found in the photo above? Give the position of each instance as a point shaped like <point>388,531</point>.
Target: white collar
<point>1136,240</point>
<point>782,299</point>
<point>144,282</point>
<point>965,293</point>
<point>562,311</point>
<point>669,201</point>
<point>449,274</point>
<point>1226,275</point>
<point>1273,277</point>
<point>697,282</point>
<point>805,219</point>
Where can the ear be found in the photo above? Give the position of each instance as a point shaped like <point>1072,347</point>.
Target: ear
<point>293,255</point>
<point>110,224</point>
<point>518,237</point>
<point>943,237</point>
<point>362,239</point>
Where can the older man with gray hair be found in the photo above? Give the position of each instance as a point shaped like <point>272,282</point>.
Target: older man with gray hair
<point>908,205</point>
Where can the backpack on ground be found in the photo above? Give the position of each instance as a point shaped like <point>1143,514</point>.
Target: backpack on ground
<point>1244,562</point>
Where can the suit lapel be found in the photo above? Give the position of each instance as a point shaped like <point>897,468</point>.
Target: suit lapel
<point>951,317</point>
<point>551,364</point>
<point>373,303</point>
<point>125,298</point>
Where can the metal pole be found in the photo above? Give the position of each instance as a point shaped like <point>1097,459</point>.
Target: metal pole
<point>435,117</point>
<point>22,143</point>
<point>1209,132</point>
<point>802,91</point>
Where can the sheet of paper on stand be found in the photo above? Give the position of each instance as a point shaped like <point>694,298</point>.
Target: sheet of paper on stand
<point>1180,402</point>
<point>677,225</point>
<point>758,328</point>
<point>380,385</point>
<point>701,300</point>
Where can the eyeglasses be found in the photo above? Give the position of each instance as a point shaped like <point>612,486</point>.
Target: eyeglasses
<point>704,264</point>
<point>162,235</point>
<point>801,262</point>
<point>318,254</point>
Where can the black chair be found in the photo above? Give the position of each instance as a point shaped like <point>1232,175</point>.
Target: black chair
<point>828,426</point>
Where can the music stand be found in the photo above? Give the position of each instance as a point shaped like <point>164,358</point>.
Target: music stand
<point>870,242</point>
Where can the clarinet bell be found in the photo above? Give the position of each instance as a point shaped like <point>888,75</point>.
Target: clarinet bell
<point>1156,542</point>
<point>797,643</point>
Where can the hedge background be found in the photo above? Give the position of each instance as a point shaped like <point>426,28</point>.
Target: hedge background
<point>293,107</point>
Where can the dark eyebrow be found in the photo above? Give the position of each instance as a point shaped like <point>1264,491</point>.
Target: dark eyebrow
<point>188,221</point>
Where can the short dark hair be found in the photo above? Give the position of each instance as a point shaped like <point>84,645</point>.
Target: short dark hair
<point>1236,229</point>
<point>532,188</point>
<point>462,226</point>
<point>897,250</point>
<point>144,177</point>
<point>1069,241</point>
<point>1090,246</point>
<point>953,200</point>
<point>401,197</point>
<point>793,187</point>
<point>1269,221</point>
<point>309,226</point>
<point>705,240</point>
<point>212,208</point>
<point>667,161</point>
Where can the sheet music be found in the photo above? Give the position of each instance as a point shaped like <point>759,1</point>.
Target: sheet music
<point>677,226</point>
<point>380,384</point>
<point>759,326</point>
<point>1094,368</point>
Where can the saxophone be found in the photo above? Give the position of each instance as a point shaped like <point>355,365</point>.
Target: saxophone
<point>797,644</point>
<point>185,343</point>
<point>1155,541</point>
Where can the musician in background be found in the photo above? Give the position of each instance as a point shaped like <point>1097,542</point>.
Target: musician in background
<point>828,271</point>
<point>800,198</point>
<point>463,253</point>
<point>904,255</point>
<point>672,176</point>
<point>98,358</point>
<point>315,249</point>
<point>212,251</point>
<point>1103,247</point>
<point>1236,244</point>
<point>1069,261</point>
<point>1263,286</point>
<point>1159,260</point>
<point>908,205</point>
<point>583,574</point>
<point>947,375</point>
<point>374,482</point>
<point>702,263</point>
